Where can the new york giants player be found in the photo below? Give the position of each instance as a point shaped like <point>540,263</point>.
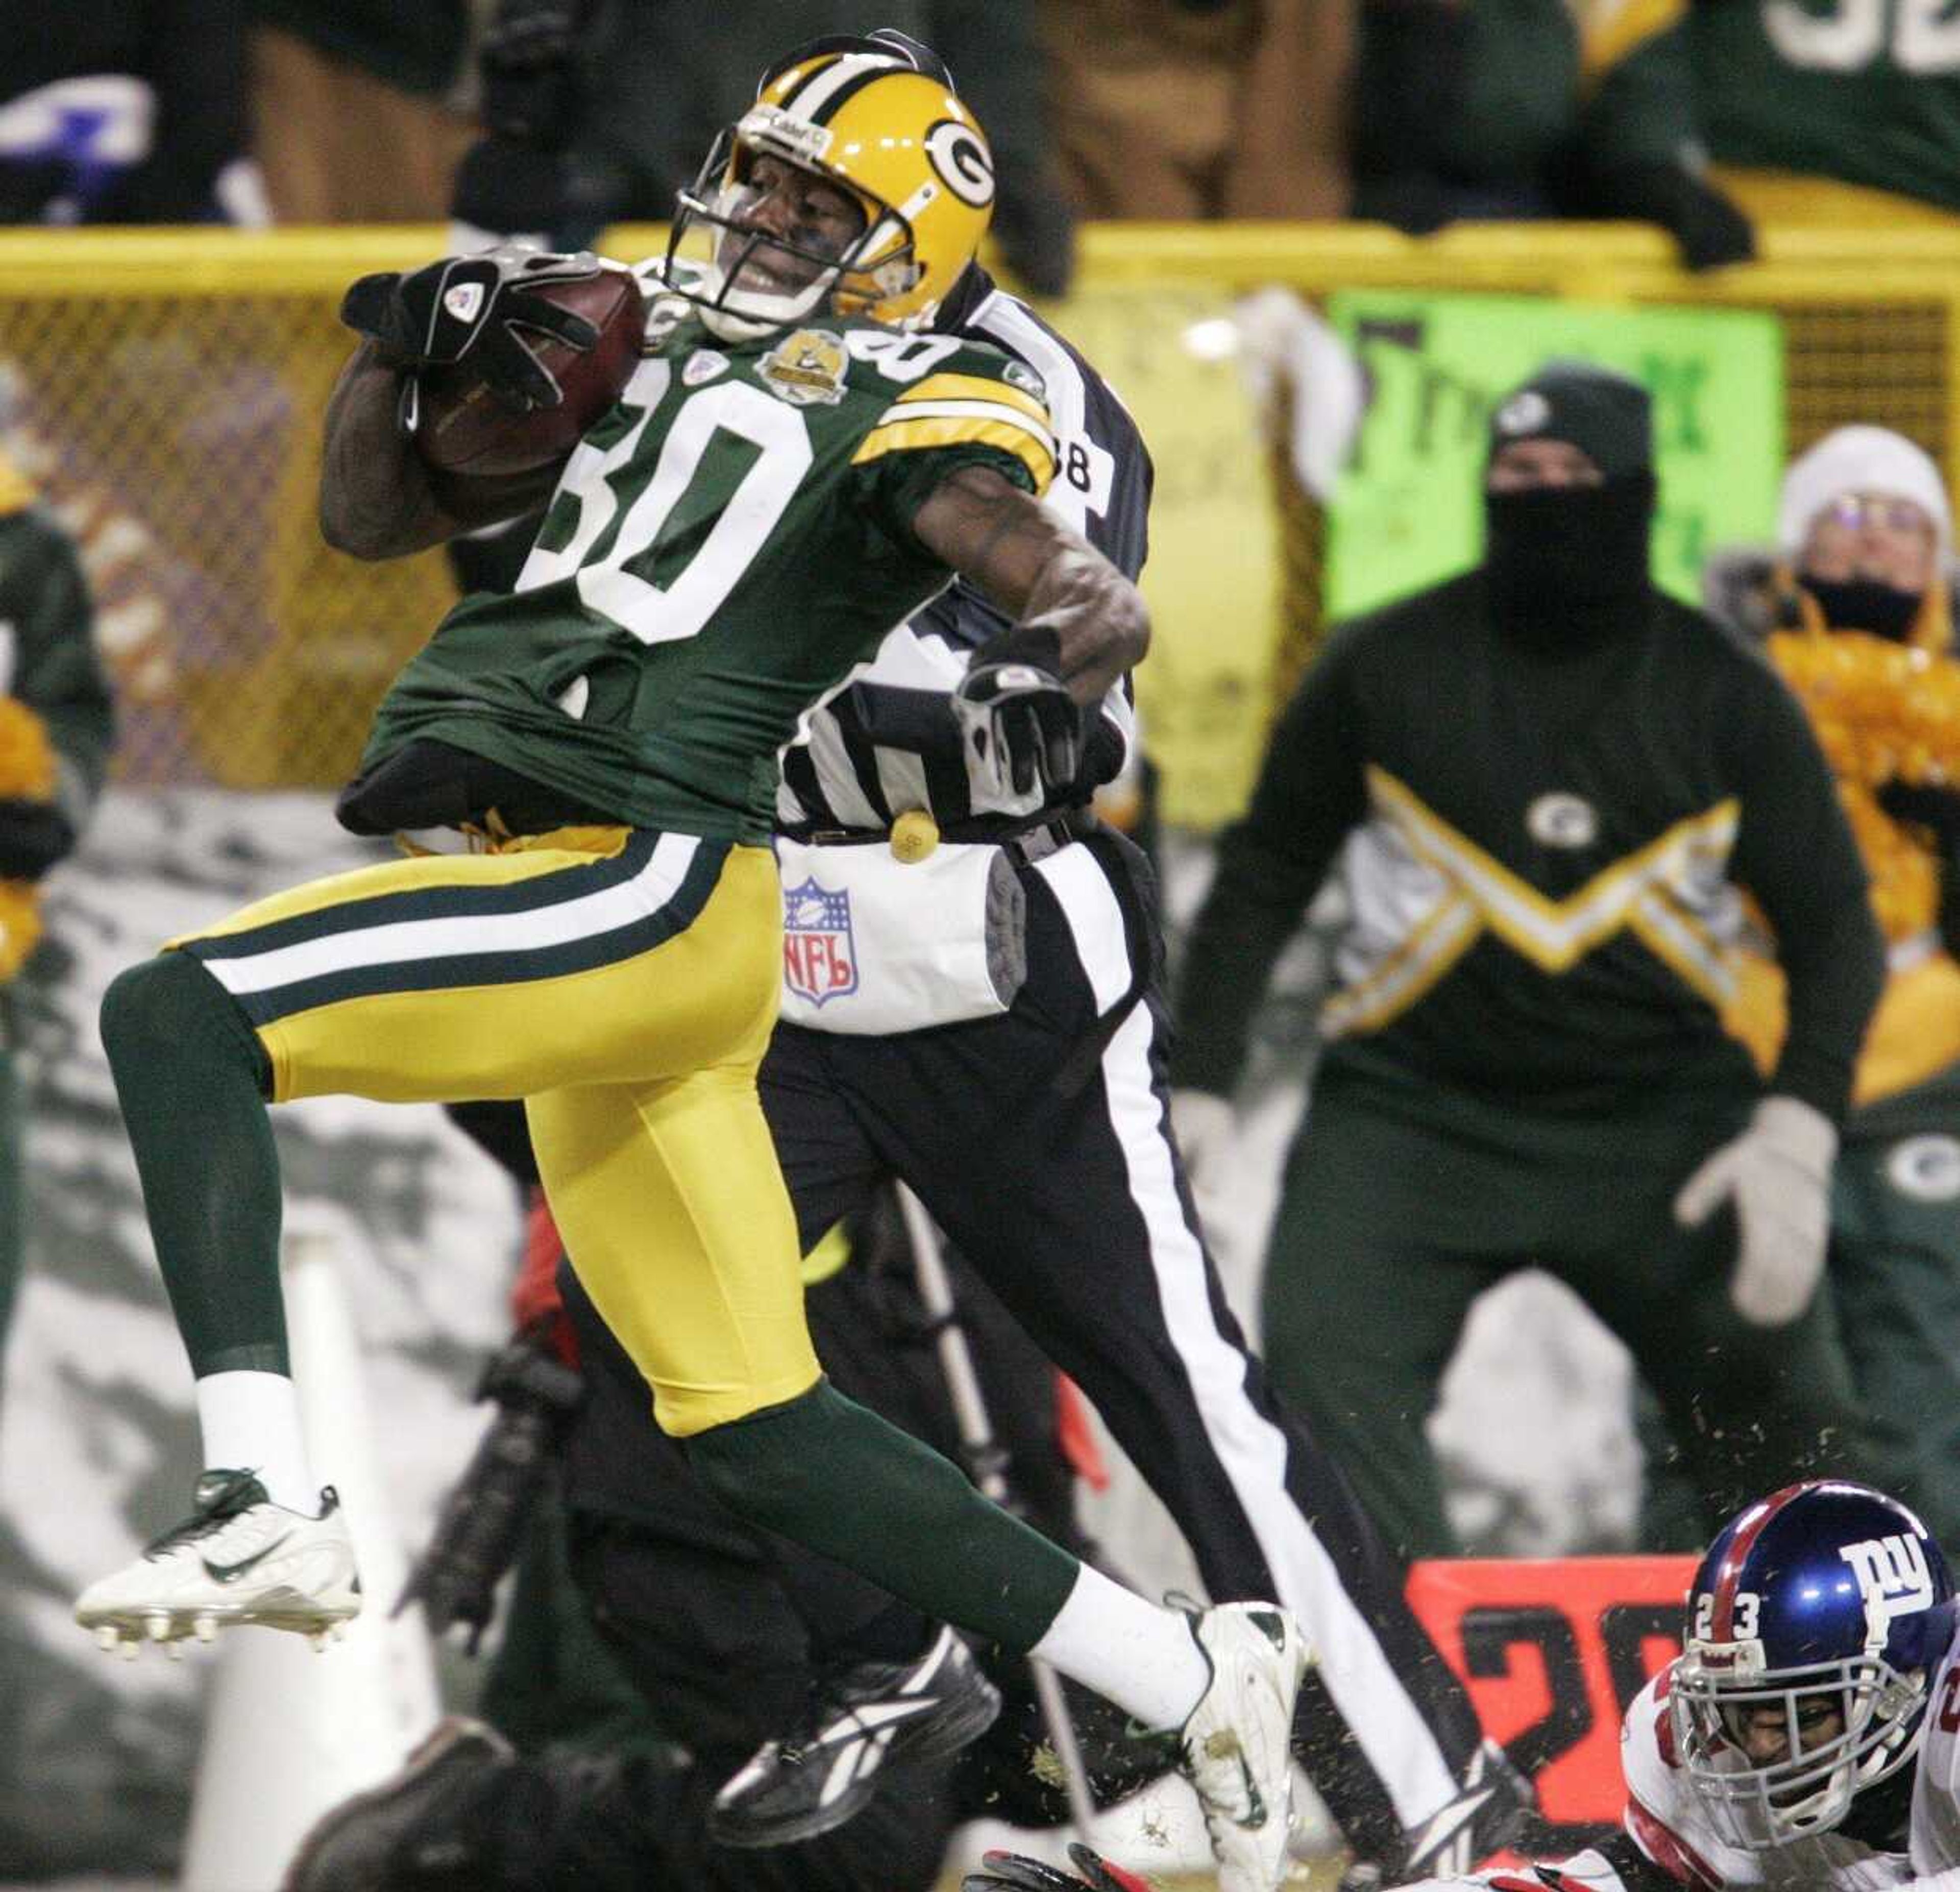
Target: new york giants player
<point>1807,1732</point>
<point>1808,1735</point>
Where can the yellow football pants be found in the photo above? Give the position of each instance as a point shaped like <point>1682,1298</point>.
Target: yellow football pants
<point>624,983</point>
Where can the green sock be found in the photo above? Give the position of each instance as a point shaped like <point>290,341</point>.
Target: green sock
<point>830,1475</point>
<point>193,1079</point>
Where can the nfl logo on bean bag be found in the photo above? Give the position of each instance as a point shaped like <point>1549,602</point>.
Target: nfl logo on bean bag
<point>819,962</point>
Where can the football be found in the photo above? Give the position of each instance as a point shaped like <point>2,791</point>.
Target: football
<point>462,427</point>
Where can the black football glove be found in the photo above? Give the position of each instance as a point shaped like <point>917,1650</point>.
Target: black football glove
<point>1021,728</point>
<point>1016,1872</point>
<point>476,306</point>
<point>1708,229</point>
<point>532,89</point>
<point>483,1519</point>
<point>33,836</point>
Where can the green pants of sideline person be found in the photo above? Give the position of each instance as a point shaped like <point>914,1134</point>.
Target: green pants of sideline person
<point>1404,1201</point>
<point>1896,1267</point>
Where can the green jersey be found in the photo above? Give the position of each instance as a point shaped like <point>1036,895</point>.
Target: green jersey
<point>1867,91</point>
<point>724,546</point>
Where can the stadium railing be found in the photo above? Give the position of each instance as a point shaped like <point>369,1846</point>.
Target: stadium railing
<point>165,389</point>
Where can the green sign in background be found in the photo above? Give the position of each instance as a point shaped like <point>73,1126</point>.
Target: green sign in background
<point>1409,510</point>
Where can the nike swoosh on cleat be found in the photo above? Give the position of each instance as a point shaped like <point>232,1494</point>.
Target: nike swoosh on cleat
<point>231,1573</point>
<point>1435,1832</point>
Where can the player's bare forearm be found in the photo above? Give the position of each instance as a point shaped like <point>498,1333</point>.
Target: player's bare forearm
<point>1039,572</point>
<point>377,497</point>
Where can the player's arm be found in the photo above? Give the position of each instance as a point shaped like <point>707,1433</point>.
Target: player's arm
<point>378,497</point>
<point>1079,624</point>
<point>1049,579</point>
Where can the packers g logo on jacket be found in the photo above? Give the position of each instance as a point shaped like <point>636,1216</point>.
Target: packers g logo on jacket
<point>1562,820</point>
<point>1926,1168</point>
<point>894,138</point>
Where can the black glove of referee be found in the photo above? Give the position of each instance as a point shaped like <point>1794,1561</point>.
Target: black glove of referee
<point>1022,729</point>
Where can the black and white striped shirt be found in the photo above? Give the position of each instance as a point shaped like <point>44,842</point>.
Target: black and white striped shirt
<point>886,741</point>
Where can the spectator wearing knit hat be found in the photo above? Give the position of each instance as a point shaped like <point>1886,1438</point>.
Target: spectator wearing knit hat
<point>1857,600</point>
<point>1545,784</point>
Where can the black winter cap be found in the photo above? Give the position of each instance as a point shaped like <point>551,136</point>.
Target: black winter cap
<point>1607,415</point>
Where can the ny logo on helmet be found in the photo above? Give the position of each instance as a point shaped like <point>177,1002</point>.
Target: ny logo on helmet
<point>1892,1576</point>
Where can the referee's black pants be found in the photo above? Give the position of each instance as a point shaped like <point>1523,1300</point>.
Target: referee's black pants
<point>1038,1140</point>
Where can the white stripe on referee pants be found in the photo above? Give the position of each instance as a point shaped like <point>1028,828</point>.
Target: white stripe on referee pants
<point>1399,1744</point>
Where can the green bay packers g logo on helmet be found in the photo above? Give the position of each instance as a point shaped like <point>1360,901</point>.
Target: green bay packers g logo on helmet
<point>898,141</point>
<point>960,156</point>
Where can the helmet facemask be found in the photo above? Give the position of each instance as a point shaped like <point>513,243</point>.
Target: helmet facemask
<point>1718,1693</point>
<point>846,279</point>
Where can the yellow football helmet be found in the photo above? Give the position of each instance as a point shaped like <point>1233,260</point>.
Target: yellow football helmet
<point>897,141</point>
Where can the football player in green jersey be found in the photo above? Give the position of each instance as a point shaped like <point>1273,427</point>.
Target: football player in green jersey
<point>788,473</point>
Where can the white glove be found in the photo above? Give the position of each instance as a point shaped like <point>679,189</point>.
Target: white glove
<point>1778,1173</point>
<point>1206,1127</point>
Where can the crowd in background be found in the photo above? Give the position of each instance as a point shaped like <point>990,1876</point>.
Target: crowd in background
<point>1694,115</point>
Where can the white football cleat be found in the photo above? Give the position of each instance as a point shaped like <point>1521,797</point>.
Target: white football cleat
<point>1235,1747</point>
<point>238,1558</point>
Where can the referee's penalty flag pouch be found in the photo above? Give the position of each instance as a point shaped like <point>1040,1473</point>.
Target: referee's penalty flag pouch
<point>873,945</point>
